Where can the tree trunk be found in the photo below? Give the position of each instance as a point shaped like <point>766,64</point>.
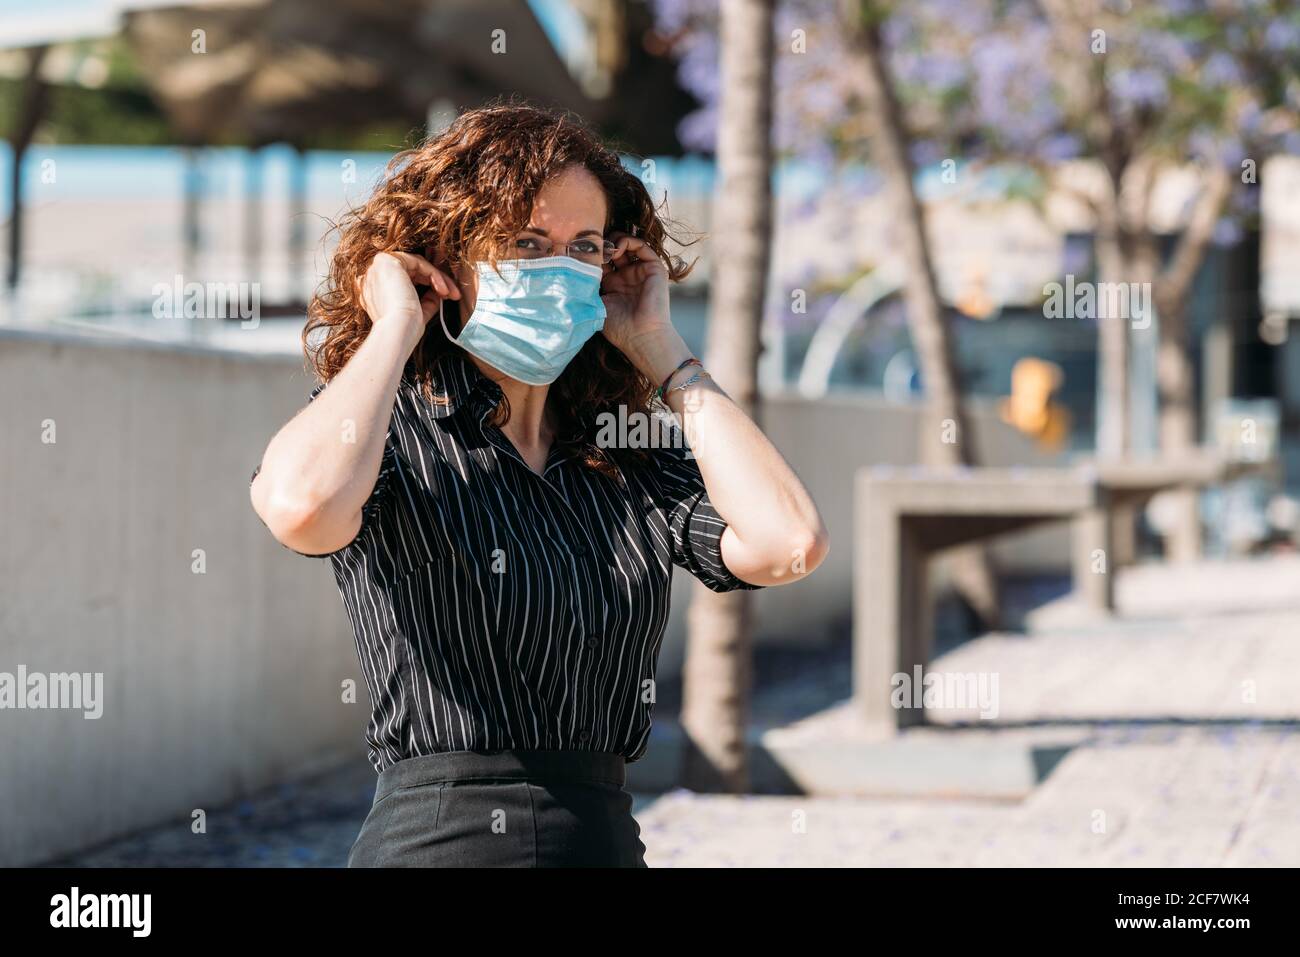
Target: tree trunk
<point>1175,377</point>
<point>1113,266</point>
<point>299,286</point>
<point>717,676</point>
<point>1089,109</point>
<point>1114,441</point>
<point>944,438</point>
<point>191,209</point>
<point>31,108</point>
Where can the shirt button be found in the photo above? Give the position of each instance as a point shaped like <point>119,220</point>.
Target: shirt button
<point>584,735</point>
<point>592,642</point>
<point>580,550</point>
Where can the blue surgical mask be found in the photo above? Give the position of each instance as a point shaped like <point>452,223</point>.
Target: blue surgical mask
<point>532,316</point>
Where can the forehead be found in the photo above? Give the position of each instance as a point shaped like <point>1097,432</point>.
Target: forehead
<point>572,200</point>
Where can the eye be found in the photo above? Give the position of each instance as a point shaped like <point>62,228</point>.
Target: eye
<point>528,242</point>
<point>585,247</point>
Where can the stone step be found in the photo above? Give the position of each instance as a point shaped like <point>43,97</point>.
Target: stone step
<point>925,762</point>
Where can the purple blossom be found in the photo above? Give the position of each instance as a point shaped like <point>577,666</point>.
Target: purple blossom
<point>981,82</point>
<point>1282,35</point>
<point>1058,147</point>
<point>1221,70</point>
<point>1141,87</point>
<point>1227,232</point>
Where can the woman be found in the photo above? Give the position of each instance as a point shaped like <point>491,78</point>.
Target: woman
<point>504,559</point>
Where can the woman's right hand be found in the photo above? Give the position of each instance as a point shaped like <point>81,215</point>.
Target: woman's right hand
<point>312,485</point>
<point>389,295</point>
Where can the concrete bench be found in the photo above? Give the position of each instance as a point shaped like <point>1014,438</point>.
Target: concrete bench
<point>904,517</point>
<point>1125,487</point>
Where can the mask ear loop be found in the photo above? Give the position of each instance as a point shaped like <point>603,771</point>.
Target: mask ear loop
<point>442,322</point>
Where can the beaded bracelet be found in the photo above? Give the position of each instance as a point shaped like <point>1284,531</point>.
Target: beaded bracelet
<point>663,389</point>
<point>702,374</point>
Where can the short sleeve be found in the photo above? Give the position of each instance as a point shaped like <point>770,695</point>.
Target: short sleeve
<point>378,494</point>
<point>694,526</point>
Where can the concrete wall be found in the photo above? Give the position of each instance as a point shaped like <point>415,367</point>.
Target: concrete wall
<point>216,684</point>
<point>221,683</point>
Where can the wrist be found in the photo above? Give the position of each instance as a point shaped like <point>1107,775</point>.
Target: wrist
<point>398,332</point>
<point>656,355</point>
<point>412,326</point>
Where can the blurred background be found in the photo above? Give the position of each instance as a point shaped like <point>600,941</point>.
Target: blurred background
<point>931,205</point>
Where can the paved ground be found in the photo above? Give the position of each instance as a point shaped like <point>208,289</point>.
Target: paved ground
<point>1152,797</point>
<point>1186,710</point>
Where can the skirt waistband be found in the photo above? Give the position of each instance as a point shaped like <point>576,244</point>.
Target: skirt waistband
<point>593,767</point>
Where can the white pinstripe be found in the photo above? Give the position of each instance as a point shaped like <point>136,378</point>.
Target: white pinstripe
<point>458,657</point>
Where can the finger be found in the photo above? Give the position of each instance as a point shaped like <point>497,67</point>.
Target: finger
<point>412,263</point>
<point>416,266</point>
<point>624,245</point>
<point>429,304</point>
<point>643,251</point>
<point>441,284</point>
<point>453,290</point>
<point>639,270</point>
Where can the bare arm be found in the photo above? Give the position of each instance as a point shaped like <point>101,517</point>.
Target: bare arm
<point>322,465</point>
<point>774,533</point>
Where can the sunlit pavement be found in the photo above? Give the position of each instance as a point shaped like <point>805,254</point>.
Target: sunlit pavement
<point>1185,709</point>
<point>1151,797</point>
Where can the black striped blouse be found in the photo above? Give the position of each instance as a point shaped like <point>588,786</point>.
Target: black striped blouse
<point>495,608</point>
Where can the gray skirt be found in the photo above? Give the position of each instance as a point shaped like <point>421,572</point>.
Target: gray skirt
<point>501,809</point>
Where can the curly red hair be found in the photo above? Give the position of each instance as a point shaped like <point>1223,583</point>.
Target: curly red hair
<point>465,193</point>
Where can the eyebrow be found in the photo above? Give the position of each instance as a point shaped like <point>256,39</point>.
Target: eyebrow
<point>542,232</point>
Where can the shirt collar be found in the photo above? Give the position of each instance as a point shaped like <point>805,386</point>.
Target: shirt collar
<point>459,381</point>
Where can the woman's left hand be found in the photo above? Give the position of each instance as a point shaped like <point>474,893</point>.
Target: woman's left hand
<point>635,292</point>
